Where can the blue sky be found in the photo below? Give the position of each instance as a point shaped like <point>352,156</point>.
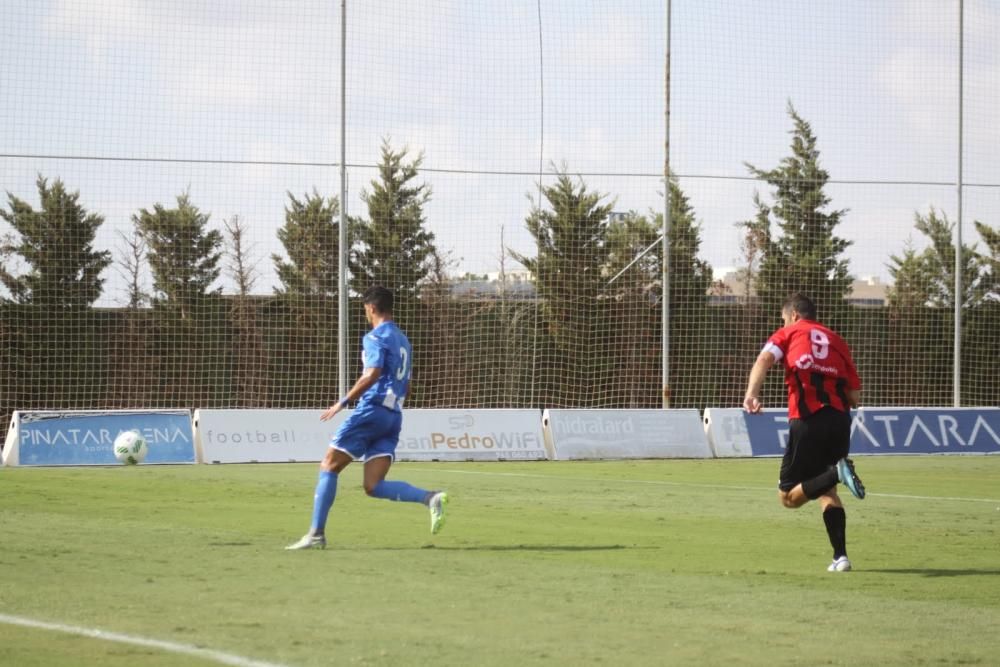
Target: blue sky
<point>466,82</point>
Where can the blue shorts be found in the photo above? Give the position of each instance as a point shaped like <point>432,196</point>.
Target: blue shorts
<point>370,432</point>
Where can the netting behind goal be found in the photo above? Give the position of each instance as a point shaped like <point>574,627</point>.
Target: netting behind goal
<point>173,201</point>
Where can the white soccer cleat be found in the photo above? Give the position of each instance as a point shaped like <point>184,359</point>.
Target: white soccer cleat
<point>840,565</point>
<point>308,541</point>
<point>436,505</point>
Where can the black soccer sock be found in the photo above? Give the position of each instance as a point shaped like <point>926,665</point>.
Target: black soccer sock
<point>835,519</point>
<point>820,484</point>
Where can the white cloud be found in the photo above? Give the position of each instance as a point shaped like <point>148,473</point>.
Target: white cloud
<point>922,73</point>
<point>616,41</point>
<point>101,25</point>
<point>205,54</point>
<point>260,81</point>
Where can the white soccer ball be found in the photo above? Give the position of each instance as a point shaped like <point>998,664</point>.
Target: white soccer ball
<point>130,447</point>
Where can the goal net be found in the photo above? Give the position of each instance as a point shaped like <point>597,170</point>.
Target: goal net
<point>172,202</point>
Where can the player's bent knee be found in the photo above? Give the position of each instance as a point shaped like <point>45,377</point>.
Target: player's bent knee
<point>788,500</point>
<point>372,487</point>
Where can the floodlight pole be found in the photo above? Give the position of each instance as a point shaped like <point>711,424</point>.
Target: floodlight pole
<point>665,264</point>
<point>957,335</point>
<point>342,302</point>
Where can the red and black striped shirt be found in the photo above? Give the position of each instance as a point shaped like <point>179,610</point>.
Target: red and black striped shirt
<point>819,369</point>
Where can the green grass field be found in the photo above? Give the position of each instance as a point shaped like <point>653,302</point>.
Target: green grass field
<point>614,563</point>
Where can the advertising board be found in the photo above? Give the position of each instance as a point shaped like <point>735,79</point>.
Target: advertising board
<point>242,436</point>
<point>78,437</point>
<point>873,431</point>
<point>624,434</point>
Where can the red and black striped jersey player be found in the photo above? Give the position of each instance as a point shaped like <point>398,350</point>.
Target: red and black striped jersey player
<point>823,386</point>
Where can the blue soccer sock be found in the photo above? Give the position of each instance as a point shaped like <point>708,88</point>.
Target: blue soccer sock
<point>398,491</point>
<point>326,491</point>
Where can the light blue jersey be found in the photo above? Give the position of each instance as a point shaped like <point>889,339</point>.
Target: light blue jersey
<point>388,348</point>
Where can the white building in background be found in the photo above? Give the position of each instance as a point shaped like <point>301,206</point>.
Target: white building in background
<point>729,286</point>
<point>515,285</point>
<point>868,291</point>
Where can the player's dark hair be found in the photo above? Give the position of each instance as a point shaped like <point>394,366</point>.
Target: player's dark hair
<point>379,297</point>
<point>801,304</point>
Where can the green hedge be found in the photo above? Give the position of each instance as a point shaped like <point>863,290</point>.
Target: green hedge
<point>268,352</point>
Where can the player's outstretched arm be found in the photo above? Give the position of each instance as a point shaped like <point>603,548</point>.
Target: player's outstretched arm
<point>751,399</point>
<point>369,377</point>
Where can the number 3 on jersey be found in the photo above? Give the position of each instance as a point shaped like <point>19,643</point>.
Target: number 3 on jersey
<point>404,363</point>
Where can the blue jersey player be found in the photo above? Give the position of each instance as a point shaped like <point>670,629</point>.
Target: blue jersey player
<point>372,431</point>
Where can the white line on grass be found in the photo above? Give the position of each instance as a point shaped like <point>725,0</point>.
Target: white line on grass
<point>172,647</point>
<point>661,482</point>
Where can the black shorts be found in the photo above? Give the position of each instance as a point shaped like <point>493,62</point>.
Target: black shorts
<point>814,444</point>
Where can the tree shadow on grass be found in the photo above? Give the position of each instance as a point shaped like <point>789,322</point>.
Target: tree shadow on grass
<point>938,571</point>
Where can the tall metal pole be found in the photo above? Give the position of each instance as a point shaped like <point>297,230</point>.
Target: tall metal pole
<point>665,265</point>
<point>342,302</point>
<point>957,362</point>
<point>538,203</point>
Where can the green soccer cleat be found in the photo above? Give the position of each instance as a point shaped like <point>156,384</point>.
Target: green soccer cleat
<point>849,478</point>
<point>436,505</point>
<point>308,541</point>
